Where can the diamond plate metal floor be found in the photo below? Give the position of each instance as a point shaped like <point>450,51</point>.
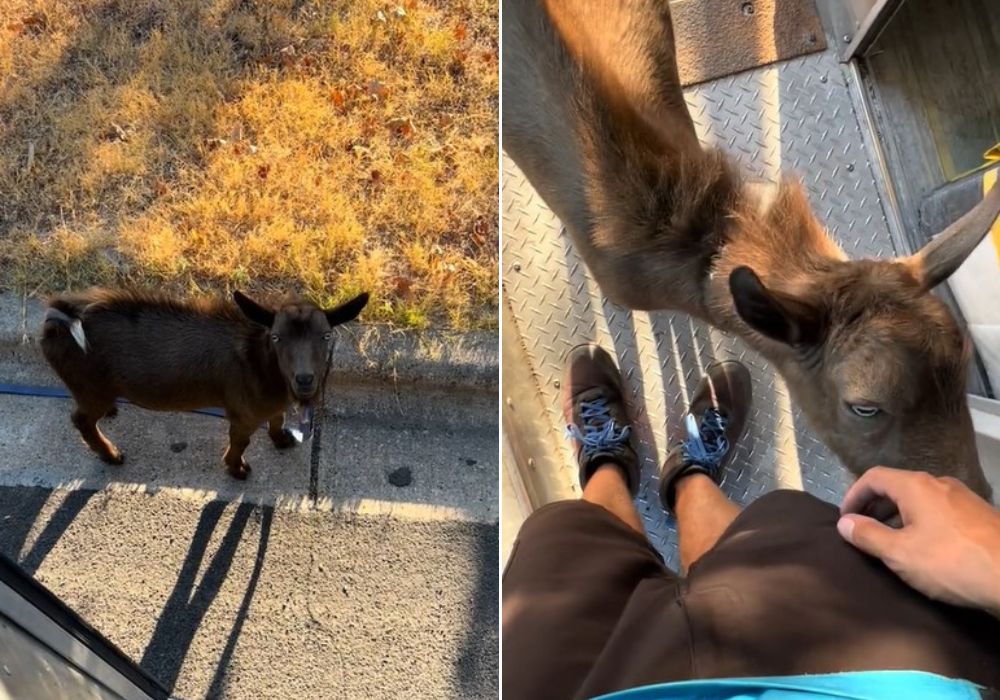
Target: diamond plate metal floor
<point>797,117</point>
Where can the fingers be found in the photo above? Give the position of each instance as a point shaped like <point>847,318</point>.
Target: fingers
<point>893,484</point>
<point>868,535</point>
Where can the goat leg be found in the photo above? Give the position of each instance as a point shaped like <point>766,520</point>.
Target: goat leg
<point>280,435</point>
<point>85,421</point>
<point>239,439</point>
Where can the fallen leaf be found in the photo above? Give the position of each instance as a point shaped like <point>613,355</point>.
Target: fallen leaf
<point>160,188</point>
<point>115,132</point>
<point>456,69</point>
<point>337,97</point>
<point>401,126</point>
<point>403,286</point>
<point>480,230</point>
<point>376,90</point>
<point>36,23</point>
<point>262,170</point>
<point>460,31</point>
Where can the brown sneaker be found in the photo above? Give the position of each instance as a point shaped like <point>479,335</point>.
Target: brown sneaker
<point>716,419</point>
<point>594,409</point>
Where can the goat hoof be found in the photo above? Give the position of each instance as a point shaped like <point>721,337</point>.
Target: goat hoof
<point>240,471</point>
<point>115,458</point>
<point>284,439</point>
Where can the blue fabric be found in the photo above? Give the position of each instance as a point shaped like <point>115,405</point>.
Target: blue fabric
<point>863,685</point>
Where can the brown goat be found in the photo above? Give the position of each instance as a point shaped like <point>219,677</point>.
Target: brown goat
<point>593,114</point>
<point>168,355</point>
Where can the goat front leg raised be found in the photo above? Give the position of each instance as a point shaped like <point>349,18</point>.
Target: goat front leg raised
<point>280,435</point>
<point>239,439</point>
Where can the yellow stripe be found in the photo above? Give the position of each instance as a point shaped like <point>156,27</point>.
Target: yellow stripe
<point>989,179</point>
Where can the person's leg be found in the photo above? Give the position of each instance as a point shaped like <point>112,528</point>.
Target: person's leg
<point>688,480</point>
<point>782,593</point>
<point>703,514</point>
<point>572,573</point>
<point>608,488</point>
<point>576,564</point>
<point>597,423</point>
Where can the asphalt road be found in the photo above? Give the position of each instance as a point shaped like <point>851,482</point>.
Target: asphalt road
<point>360,565</point>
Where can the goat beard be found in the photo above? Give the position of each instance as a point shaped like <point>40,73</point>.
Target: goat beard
<point>300,420</point>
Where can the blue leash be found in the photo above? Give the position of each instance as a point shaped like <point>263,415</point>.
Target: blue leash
<point>57,393</point>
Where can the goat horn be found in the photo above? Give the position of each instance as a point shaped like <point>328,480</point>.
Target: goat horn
<point>937,260</point>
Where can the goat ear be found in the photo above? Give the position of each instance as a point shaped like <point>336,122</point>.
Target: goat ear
<point>778,316</point>
<point>254,311</point>
<point>347,311</point>
<point>937,260</point>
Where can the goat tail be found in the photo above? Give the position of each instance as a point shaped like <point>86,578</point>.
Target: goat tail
<point>63,314</point>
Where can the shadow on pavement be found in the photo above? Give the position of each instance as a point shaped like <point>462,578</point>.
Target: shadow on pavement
<point>55,528</point>
<point>218,685</point>
<point>21,507</point>
<point>186,607</point>
<point>476,666</point>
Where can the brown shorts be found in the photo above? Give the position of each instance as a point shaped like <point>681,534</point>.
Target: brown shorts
<point>589,608</point>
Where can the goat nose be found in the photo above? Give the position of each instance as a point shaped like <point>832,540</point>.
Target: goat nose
<point>304,379</point>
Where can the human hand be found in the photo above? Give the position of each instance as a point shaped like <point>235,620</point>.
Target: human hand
<point>949,545</point>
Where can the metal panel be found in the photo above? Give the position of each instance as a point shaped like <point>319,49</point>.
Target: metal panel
<point>873,22</point>
<point>795,116</point>
<point>716,38</point>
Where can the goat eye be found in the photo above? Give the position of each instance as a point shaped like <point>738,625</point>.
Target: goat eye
<point>327,336</point>
<point>274,338</point>
<point>865,411</point>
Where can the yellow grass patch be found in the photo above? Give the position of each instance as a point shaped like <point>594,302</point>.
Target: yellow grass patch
<point>320,148</point>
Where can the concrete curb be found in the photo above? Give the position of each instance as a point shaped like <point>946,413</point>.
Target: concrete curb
<point>365,353</point>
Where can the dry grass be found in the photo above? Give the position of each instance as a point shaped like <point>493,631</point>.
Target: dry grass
<point>316,147</point>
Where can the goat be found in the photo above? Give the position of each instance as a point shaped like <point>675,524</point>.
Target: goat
<point>170,355</point>
<point>594,116</point>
